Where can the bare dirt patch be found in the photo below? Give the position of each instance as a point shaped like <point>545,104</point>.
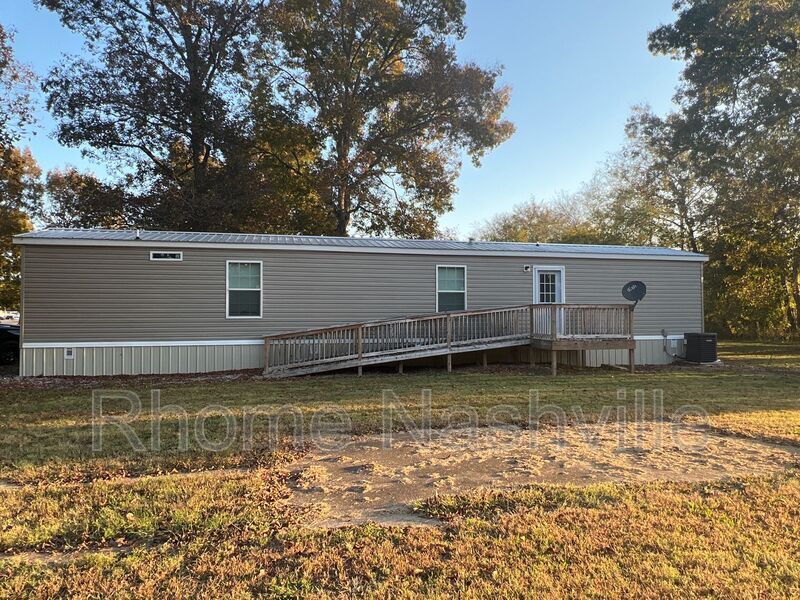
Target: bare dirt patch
<point>377,478</point>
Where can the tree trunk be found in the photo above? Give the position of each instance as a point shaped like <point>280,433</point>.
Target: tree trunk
<point>791,316</point>
<point>794,286</point>
<point>342,183</point>
<point>198,144</point>
<point>688,237</point>
<point>342,222</point>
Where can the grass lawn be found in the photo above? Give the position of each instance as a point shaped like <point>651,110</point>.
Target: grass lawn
<point>186,521</point>
<point>762,354</point>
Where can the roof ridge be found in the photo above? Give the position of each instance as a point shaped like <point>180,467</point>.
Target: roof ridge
<point>339,237</point>
<point>128,236</point>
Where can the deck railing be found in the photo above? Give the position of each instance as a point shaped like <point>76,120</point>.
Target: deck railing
<point>458,331</point>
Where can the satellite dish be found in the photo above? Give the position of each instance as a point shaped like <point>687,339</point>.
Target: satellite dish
<point>634,291</point>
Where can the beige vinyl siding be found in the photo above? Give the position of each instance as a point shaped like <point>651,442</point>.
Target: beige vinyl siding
<point>116,294</point>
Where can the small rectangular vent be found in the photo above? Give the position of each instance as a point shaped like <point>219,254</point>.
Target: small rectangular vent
<point>165,256</point>
<point>69,353</point>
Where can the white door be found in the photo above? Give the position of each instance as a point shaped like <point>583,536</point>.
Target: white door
<point>548,288</point>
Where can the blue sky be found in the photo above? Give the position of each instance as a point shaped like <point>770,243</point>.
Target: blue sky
<point>575,68</point>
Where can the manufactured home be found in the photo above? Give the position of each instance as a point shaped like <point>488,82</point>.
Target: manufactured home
<point>113,302</point>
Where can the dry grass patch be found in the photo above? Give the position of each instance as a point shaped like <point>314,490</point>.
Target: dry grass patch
<point>233,534</point>
<point>732,539</point>
<point>66,471</point>
<point>152,509</point>
<point>488,504</point>
<point>782,426</point>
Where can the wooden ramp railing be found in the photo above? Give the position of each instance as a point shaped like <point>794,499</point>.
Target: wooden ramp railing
<point>374,342</point>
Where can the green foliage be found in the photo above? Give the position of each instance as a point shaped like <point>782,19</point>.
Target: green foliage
<point>162,97</point>
<point>740,104</point>
<point>375,89</point>
<point>12,222</point>
<point>291,116</point>
<point>565,220</point>
<point>158,90</point>
<point>81,200</point>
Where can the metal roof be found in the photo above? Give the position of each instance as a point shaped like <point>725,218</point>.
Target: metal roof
<point>112,237</point>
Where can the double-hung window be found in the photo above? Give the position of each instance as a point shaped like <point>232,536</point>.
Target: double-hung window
<point>244,290</point>
<point>451,288</point>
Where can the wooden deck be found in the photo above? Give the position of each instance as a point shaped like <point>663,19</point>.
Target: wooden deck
<point>553,327</point>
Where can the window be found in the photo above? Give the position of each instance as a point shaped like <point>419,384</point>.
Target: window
<point>244,290</point>
<point>451,288</point>
<point>547,288</point>
<point>165,256</point>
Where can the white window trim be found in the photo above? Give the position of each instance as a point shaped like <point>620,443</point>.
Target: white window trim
<point>228,289</point>
<point>466,284</point>
<point>537,269</point>
<point>178,252</point>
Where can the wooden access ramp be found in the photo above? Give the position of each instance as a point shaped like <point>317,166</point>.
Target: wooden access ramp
<point>552,327</point>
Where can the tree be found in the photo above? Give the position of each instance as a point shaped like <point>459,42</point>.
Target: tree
<point>20,197</point>
<point>626,202</point>
<point>20,188</point>
<point>386,105</point>
<point>658,165</point>
<point>742,73</point>
<point>617,211</point>
<point>160,94</point>
<point>324,128</point>
<point>16,86</point>
<point>564,220</point>
<point>740,102</point>
<point>81,200</point>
